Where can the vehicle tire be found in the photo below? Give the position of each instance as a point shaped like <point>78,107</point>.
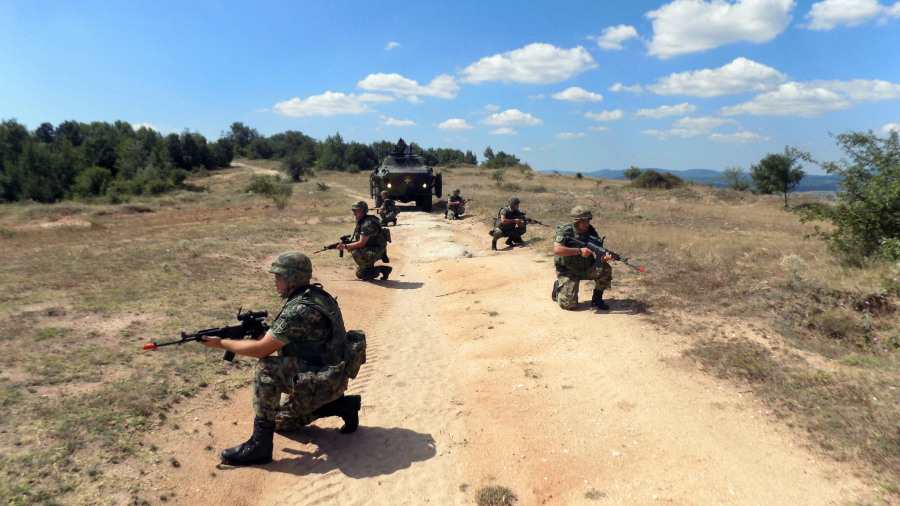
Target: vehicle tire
<point>426,204</point>
<point>378,199</point>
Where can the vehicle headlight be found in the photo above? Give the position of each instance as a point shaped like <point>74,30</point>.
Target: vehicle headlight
<point>425,185</point>
<point>389,185</point>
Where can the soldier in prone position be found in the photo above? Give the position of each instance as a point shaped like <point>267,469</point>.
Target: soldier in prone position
<point>510,223</point>
<point>388,210</point>
<point>307,379</point>
<point>368,244</point>
<point>576,264</point>
<point>456,206</point>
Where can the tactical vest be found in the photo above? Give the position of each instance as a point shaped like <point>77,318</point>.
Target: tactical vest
<point>510,215</point>
<point>575,262</point>
<point>316,297</point>
<point>389,206</point>
<point>379,240</point>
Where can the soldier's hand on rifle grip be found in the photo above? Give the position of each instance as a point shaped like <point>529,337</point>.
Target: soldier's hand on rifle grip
<point>341,247</point>
<point>584,252</point>
<point>607,258</point>
<point>211,341</point>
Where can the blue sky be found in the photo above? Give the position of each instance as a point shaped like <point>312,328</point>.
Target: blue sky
<point>583,85</point>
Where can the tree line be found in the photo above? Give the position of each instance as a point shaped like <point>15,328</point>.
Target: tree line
<point>113,160</point>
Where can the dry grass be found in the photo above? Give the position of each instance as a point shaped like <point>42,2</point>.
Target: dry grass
<point>85,285</point>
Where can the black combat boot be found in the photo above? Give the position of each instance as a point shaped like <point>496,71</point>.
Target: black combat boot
<point>347,407</point>
<point>394,221</point>
<point>494,245</point>
<point>385,272</point>
<point>384,257</point>
<point>597,301</point>
<point>257,449</point>
<point>518,240</point>
<point>555,290</point>
<point>370,274</point>
<point>509,241</point>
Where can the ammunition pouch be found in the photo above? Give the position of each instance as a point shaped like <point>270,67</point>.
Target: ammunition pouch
<point>354,352</point>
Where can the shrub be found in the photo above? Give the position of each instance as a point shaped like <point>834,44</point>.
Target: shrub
<point>632,172</point>
<point>92,181</point>
<point>651,179</point>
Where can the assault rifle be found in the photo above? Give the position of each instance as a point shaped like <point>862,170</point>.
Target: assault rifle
<point>345,239</point>
<point>251,326</point>
<point>536,222</point>
<point>599,251</point>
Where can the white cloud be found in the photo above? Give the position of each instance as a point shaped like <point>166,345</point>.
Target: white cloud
<point>791,99</point>
<point>398,122</point>
<point>831,13</point>
<point>455,124</point>
<point>391,45</point>
<point>570,135</point>
<point>599,128</point>
<point>668,110</point>
<point>503,131</point>
<point>576,94</point>
<point>739,76</point>
<point>688,26</point>
<point>534,64</point>
<point>148,125</point>
<point>674,132</point>
<point>613,37</point>
<point>703,123</point>
<point>536,97</point>
<point>415,100</point>
<point>329,104</point>
<point>443,86</point>
<point>738,137</point>
<point>606,115</point>
<point>890,127</point>
<point>862,90</point>
<point>637,88</point>
<point>513,117</point>
<point>526,149</point>
<point>492,107</point>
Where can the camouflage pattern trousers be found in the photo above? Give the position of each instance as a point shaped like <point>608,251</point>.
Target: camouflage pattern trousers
<point>516,232</point>
<point>365,259</point>
<point>454,212</point>
<point>287,389</point>
<point>387,217</point>
<point>567,297</point>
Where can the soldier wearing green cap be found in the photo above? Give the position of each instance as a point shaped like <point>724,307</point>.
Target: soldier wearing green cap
<point>456,206</point>
<point>576,264</point>
<point>388,210</point>
<point>307,378</point>
<point>510,223</point>
<point>368,244</point>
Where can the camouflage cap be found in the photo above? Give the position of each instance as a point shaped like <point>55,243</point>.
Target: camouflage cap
<point>361,206</point>
<point>580,213</point>
<point>456,191</point>
<point>293,266</point>
<point>514,200</point>
<point>384,193</point>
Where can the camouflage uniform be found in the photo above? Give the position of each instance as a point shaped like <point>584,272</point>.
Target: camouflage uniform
<point>510,230</point>
<point>571,270</point>
<point>388,211</point>
<point>454,212</point>
<point>309,370</point>
<point>374,250</point>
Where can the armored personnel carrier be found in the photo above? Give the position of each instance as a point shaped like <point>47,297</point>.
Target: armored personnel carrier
<point>406,178</point>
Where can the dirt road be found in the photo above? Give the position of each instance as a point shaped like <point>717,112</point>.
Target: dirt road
<point>475,378</point>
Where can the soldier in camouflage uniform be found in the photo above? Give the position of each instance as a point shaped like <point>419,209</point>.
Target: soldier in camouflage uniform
<point>306,380</point>
<point>388,210</point>
<point>368,244</point>
<point>510,223</point>
<point>575,264</point>
<point>456,206</point>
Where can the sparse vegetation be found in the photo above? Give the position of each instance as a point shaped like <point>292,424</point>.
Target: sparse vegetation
<point>495,495</point>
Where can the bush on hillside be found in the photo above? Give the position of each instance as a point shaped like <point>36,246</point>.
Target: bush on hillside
<point>653,180</point>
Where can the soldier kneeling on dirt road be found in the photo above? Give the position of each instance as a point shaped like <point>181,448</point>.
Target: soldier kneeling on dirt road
<point>368,244</point>
<point>316,359</point>
<point>388,210</point>
<point>576,264</point>
<point>510,223</point>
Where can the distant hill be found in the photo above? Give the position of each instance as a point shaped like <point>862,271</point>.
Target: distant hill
<point>809,183</point>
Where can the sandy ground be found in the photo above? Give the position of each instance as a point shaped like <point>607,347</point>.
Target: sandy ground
<point>475,377</point>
